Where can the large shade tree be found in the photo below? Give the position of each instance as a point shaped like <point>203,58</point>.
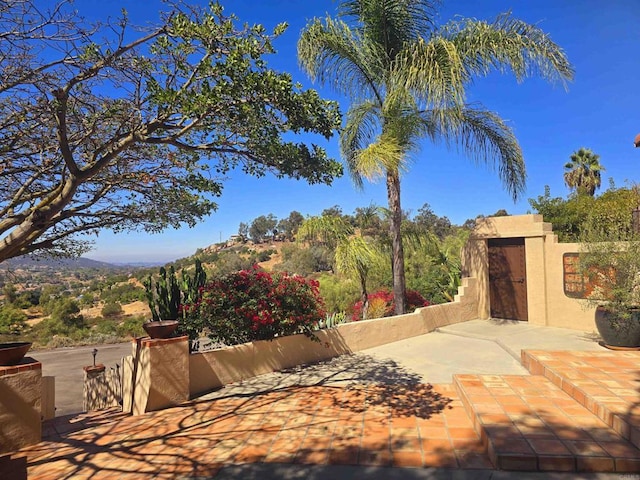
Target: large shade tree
<point>583,172</point>
<point>407,77</point>
<point>110,126</point>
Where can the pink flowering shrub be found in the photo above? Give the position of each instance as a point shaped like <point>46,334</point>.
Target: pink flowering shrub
<point>257,305</point>
<point>381,304</point>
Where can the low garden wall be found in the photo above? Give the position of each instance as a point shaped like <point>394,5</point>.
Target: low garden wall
<point>166,374</point>
<point>211,370</point>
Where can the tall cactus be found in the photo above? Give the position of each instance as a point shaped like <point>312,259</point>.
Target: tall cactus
<point>165,301</point>
<point>191,284</point>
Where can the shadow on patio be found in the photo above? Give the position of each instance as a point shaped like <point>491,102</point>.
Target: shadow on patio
<point>340,412</point>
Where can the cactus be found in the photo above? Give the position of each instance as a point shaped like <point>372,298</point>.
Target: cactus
<point>164,302</point>
<point>191,285</point>
<point>148,290</point>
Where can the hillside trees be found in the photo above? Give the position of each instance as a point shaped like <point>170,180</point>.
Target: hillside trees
<point>262,226</point>
<point>107,126</point>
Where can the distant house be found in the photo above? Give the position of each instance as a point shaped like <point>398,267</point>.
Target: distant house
<point>234,240</point>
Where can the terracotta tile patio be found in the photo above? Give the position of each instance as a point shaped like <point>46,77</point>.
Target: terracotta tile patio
<point>578,411</point>
<point>375,425</point>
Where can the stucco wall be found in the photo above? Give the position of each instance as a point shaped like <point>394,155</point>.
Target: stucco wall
<point>564,311</point>
<point>161,375</point>
<point>546,301</point>
<point>20,405</point>
<point>210,370</point>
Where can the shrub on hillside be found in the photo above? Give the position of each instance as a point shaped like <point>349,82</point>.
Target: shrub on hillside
<point>112,309</point>
<point>123,293</point>
<point>256,305</point>
<point>381,304</point>
<point>131,327</point>
<point>12,320</point>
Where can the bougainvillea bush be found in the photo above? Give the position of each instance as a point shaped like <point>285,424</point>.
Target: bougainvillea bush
<point>257,305</point>
<point>381,304</point>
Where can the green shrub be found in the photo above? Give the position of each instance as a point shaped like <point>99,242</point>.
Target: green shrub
<point>12,320</point>
<point>105,326</point>
<point>123,293</point>
<point>131,327</point>
<point>257,305</point>
<point>338,294</point>
<point>112,309</point>
<point>67,312</point>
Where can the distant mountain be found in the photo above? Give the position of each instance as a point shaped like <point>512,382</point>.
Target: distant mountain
<point>139,264</point>
<point>28,262</point>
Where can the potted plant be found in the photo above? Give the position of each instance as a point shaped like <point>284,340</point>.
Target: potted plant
<point>610,264</point>
<point>166,296</point>
<point>163,297</point>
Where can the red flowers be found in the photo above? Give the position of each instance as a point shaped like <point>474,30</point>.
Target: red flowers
<point>381,304</point>
<point>258,305</point>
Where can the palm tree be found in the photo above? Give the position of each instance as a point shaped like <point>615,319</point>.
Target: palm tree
<point>354,255</point>
<point>582,173</point>
<point>406,79</point>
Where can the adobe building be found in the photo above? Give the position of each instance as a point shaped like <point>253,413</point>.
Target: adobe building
<point>524,273</point>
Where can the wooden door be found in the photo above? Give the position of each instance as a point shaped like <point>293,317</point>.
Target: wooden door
<point>507,279</point>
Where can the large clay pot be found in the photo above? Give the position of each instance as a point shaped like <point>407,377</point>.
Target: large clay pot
<point>12,353</point>
<point>616,332</point>
<point>160,328</point>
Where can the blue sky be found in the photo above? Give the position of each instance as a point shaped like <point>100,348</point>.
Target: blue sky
<point>601,111</point>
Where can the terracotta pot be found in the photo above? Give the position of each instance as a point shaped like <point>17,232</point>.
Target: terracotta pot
<point>160,328</point>
<point>617,332</point>
<point>12,353</point>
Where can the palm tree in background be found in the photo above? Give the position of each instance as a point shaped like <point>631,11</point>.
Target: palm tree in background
<point>354,255</point>
<point>406,79</point>
<point>582,173</point>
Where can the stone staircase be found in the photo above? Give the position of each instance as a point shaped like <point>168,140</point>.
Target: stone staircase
<point>576,412</point>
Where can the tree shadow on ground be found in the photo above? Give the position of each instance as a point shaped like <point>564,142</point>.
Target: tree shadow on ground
<point>370,381</point>
<point>285,417</point>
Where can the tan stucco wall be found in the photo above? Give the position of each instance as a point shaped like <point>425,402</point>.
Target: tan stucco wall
<point>563,311</point>
<point>20,405</point>
<point>210,370</point>
<point>162,375</point>
<point>48,397</point>
<point>546,301</point>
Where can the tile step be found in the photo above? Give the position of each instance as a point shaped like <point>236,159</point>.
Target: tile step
<point>527,423</point>
<point>605,383</point>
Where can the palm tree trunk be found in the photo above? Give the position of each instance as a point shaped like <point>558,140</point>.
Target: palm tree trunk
<point>364,296</point>
<point>397,253</point>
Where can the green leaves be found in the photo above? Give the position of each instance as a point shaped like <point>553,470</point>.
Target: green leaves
<point>141,125</point>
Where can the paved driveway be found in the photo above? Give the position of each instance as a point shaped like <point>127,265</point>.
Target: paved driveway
<point>66,365</point>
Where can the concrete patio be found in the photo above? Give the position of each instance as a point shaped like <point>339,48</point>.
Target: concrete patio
<point>461,402</point>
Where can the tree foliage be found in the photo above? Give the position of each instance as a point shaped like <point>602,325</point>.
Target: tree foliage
<point>289,226</point>
<point>566,215</point>
<point>610,252</point>
<point>109,126</point>
<point>13,321</point>
<point>574,216</point>
<point>262,227</point>
<point>439,226</point>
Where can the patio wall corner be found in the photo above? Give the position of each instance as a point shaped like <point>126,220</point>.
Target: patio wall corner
<point>20,405</point>
<point>157,375</point>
